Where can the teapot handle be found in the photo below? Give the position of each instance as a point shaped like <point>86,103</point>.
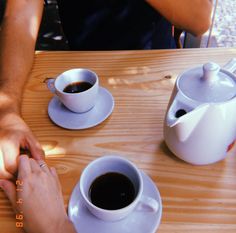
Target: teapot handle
<point>231,65</point>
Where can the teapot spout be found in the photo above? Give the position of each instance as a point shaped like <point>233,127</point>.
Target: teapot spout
<point>183,118</point>
<point>185,125</point>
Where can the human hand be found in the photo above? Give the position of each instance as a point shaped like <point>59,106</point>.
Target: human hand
<point>15,135</point>
<point>41,201</point>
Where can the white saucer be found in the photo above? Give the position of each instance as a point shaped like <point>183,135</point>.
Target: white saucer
<point>63,117</point>
<point>137,221</point>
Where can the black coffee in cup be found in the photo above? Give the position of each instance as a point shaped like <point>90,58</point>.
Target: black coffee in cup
<point>112,191</point>
<point>77,87</point>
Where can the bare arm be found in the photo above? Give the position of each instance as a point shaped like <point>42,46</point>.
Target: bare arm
<point>17,42</point>
<point>18,35</point>
<point>190,15</point>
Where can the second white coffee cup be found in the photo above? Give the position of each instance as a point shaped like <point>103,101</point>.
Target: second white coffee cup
<point>77,89</point>
<point>104,166</point>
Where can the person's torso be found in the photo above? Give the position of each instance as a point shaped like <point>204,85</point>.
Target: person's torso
<point>113,25</point>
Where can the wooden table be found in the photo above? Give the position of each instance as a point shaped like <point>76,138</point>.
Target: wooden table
<point>195,198</point>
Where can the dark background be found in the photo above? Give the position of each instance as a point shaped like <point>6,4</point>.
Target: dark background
<point>51,36</point>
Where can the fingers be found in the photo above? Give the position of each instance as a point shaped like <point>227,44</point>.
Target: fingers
<point>35,148</point>
<point>54,174</point>
<point>34,166</point>
<point>28,166</point>
<point>39,166</point>
<point>43,166</point>
<point>10,190</point>
<point>24,166</point>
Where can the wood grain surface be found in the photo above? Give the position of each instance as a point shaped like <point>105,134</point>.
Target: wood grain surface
<point>195,198</point>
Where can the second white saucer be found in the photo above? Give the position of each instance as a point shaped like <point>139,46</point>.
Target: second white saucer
<point>64,118</point>
<point>137,221</point>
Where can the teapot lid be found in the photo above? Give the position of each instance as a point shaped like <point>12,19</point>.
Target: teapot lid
<point>208,84</point>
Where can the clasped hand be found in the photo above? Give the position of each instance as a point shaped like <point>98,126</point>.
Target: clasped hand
<point>14,135</point>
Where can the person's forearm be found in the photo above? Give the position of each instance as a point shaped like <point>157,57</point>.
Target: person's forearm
<point>18,35</point>
<point>190,15</point>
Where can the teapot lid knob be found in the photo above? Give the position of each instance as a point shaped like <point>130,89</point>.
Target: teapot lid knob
<point>208,83</point>
<point>210,72</point>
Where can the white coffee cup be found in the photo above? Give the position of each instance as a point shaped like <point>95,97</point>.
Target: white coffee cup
<point>115,164</point>
<point>78,102</point>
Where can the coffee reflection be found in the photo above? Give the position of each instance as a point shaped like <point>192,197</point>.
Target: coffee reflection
<point>77,87</point>
<point>112,191</point>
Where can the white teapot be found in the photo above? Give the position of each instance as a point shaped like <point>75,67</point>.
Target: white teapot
<point>200,122</point>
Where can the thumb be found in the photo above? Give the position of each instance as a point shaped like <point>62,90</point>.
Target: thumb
<point>10,190</point>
